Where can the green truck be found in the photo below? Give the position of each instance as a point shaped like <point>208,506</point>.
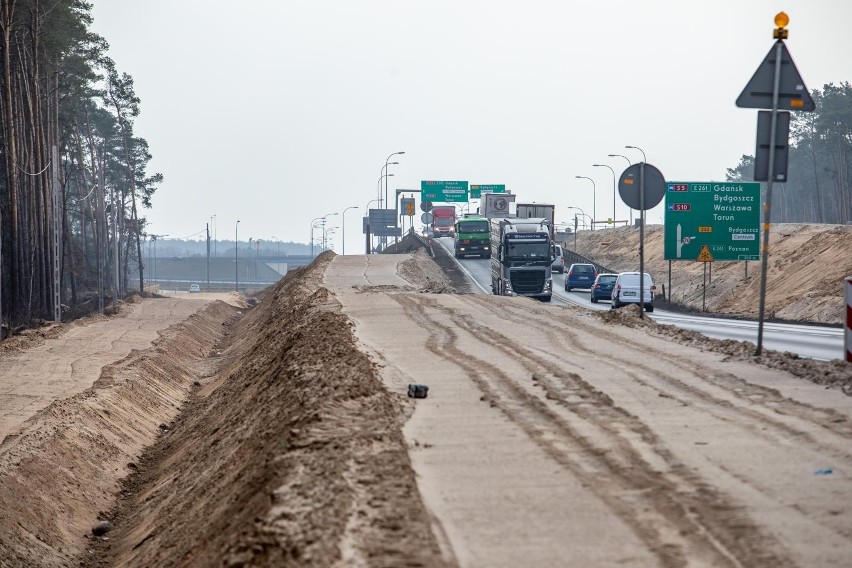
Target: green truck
<point>473,237</point>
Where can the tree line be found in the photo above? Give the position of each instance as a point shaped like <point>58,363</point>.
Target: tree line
<point>74,174</point>
<point>819,185</point>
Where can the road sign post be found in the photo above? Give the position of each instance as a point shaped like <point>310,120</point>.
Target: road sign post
<point>776,85</point>
<point>651,188</point>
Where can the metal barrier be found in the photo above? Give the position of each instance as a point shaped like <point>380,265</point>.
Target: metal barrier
<point>570,257</point>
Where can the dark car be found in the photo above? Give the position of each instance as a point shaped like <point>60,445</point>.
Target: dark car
<point>602,287</point>
<point>580,276</point>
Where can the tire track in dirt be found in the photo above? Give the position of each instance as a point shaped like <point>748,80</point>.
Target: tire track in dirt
<point>748,403</point>
<point>678,517</point>
<point>753,398</point>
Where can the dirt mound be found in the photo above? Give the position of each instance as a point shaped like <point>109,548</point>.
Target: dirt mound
<point>407,244</point>
<point>833,374</point>
<point>292,455</point>
<point>806,269</point>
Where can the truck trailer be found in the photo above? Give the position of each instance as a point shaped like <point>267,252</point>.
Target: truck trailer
<point>521,258</point>
<point>537,211</point>
<point>492,205</point>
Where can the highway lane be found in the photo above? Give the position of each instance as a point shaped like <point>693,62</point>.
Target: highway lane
<point>815,342</point>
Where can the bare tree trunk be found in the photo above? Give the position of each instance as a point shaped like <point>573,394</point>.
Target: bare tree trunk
<point>7,13</point>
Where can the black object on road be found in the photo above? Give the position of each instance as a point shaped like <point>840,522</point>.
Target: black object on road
<point>417,391</point>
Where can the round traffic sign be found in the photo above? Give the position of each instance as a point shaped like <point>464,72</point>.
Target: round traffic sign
<point>655,186</point>
<point>425,206</point>
<point>426,218</point>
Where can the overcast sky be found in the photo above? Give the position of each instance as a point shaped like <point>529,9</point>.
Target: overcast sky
<point>275,112</point>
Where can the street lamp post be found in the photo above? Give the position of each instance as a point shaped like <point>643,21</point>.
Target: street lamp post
<point>278,250</point>
<point>582,213</point>
<point>575,223</point>
<point>644,159</point>
<point>325,234</point>
<point>594,191</point>
<point>237,257</point>
<point>629,163</point>
<point>343,223</point>
<point>613,188</point>
<point>323,228</point>
<point>314,220</point>
<point>367,212</point>
<point>386,166</point>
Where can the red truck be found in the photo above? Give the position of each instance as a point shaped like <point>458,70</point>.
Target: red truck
<point>443,221</point>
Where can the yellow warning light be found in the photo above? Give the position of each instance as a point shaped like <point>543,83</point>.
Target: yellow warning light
<point>797,103</point>
<point>628,181</point>
<point>781,20</point>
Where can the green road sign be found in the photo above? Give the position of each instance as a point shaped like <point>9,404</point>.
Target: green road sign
<point>477,190</point>
<point>724,217</point>
<point>443,191</point>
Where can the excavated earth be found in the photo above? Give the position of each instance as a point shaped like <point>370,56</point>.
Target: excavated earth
<point>281,434</point>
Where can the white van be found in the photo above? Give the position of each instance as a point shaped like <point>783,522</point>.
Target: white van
<point>558,261</point>
<point>626,291</point>
<point>194,288</point>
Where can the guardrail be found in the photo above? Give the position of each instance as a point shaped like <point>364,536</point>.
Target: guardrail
<point>570,257</point>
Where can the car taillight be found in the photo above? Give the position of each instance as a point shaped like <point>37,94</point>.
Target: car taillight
<point>597,286</point>
<point>618,287</point>
<point>570,274</point>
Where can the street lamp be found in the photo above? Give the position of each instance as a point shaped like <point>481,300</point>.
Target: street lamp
<point>644,159</point>
<point>237,257</point>
<point>575,223</point>
<point>382,173</point>
<point>325,234</point>
<point>386,166</point>
<point>629,163</point>
<point>385,176</point>
<point>594,191</point>
<point>582,213</point>
<point>343,222</point>
<point>613,188</point>
<point>278,251</point>
<point>314,220</point>
<point>367,212</point>
<point>323,227</point>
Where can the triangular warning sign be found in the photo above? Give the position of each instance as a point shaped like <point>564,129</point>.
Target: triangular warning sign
<point>792,93</point>
<point>704,255</point>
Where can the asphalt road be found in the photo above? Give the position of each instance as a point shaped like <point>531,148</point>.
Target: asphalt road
<point>815,342</point>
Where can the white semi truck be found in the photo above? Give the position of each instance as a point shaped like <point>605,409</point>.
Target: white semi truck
<point>521,258</point>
